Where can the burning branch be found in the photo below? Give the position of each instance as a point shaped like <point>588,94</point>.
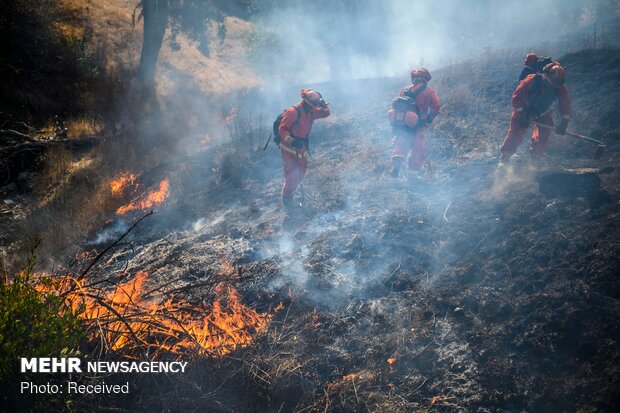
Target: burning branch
<point>127,321</point>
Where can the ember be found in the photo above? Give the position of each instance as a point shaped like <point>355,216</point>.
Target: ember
<point>154,198</point>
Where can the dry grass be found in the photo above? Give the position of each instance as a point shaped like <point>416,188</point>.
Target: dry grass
<point>226,69</point>
<point>83,127</point>
<point>459,99</point>
<point>73,197</point>
<point>57,164</point>
<point>110,28</point>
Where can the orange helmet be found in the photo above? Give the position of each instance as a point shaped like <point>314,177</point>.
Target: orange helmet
<point>554,74</point>
<point>421,73</point>
<point>312,97</point>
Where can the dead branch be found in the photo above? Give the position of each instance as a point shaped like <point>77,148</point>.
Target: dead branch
<point>205,284</point>
<point>446,211</point>
<point>34,145</point>
<point>115,243</point>
<point>16,133</point>
<point>120,317</point>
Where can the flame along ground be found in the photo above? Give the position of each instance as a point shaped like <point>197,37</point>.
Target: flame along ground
<point>125,319</point>
<point>119,185</point>
<point>127,181</point>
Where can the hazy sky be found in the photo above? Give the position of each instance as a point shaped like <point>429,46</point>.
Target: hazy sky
<point>368,38</point>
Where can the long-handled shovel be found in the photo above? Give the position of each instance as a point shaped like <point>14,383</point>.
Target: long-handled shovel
<point>600,146</point>
<point>268,140</point>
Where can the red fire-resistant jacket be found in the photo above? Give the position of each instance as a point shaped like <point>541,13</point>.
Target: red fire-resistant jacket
<point>534,96</point>
<point>303,126</point>
<point>427,101</point>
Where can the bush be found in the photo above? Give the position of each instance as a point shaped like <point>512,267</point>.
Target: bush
<point>33,324</point>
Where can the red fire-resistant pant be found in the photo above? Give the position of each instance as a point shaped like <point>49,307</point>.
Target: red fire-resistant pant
<point>294,172</point>
<point>518,126</point>
<point>404,143</point>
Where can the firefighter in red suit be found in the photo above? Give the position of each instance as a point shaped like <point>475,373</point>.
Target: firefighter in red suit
<point>410,136</point>
<point>294,128</point>
<point>532,100</point>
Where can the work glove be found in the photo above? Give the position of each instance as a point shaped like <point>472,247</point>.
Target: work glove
<point>287,138</point>
<point>561,128</point>
<point>297,143</point>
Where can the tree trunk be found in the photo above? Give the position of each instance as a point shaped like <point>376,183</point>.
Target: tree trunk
<point>155,14</point>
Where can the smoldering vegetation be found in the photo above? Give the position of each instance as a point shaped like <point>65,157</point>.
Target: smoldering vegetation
<point>461,292</point>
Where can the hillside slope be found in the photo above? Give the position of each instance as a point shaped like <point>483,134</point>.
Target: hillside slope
<point>111,27</point>
<point>462,293</point>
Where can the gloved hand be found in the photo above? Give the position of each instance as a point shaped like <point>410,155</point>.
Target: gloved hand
<point>298,143</point>
<point>287,138</point>
<point>561,128</point>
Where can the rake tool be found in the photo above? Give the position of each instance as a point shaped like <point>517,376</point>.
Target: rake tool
<point>600,146</point>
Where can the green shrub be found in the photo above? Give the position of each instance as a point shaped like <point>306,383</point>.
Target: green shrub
<point>33,324</point>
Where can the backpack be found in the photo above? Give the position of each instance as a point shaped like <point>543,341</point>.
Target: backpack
<point>406,102</point>
<point>541,62</point>
<point>276,124</point>
<point>539,101</point>
<point>536,67</point>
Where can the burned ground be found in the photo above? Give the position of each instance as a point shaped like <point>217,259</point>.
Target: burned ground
<point>463,292</point>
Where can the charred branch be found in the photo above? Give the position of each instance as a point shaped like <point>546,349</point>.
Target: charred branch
<point>112,245</point>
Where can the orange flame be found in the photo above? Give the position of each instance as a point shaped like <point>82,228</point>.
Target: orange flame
<point>154,198</point>
<point>126,319</point>
<point>118,185</point>
<point>391,360</point>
